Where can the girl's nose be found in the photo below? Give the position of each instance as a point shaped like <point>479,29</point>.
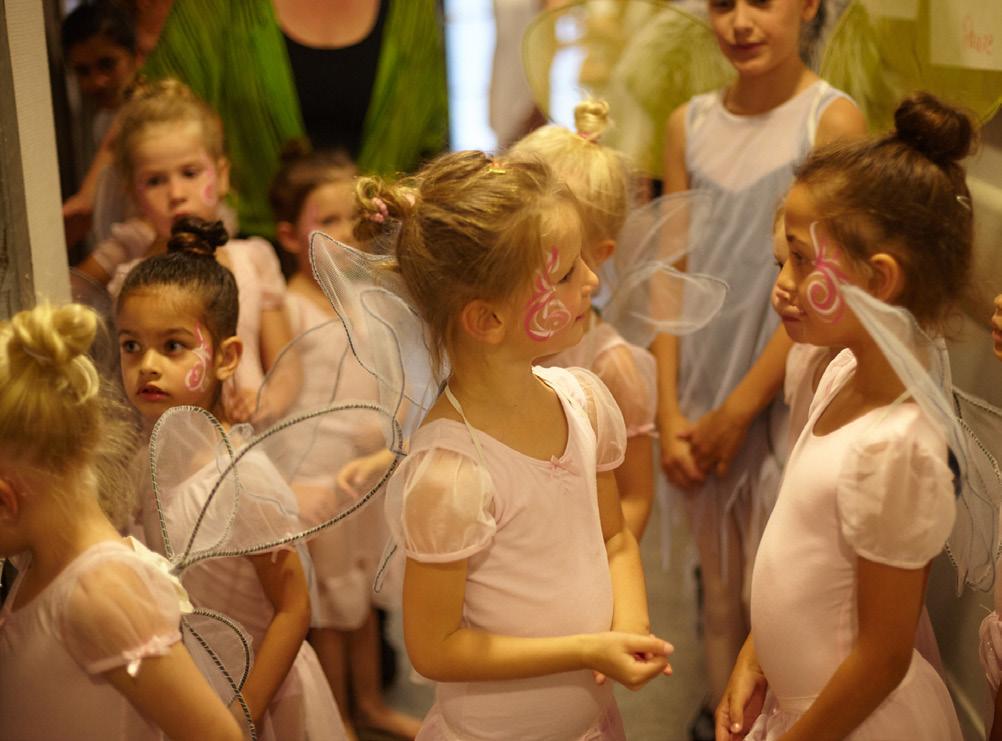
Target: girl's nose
<point>591,279</point>
<point>740,19</point>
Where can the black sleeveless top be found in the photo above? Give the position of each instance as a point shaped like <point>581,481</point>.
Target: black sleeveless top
<point>335,87</point>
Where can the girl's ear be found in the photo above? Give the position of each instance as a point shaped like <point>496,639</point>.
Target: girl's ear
<point>810,10</point>
<point>9,504</point>
<point>602,252</point>
<point>223,176</point>
<point>887,280</point>
<point>285,232</point>
<point>228,357</point>
<point>480,320</point>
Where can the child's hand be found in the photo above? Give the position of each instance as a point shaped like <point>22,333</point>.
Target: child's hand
<point>361,474</point>
<point>742,701</point>
<point>676,456</point>
<point>240,404</point>
<point>717,437</point>
<point>630,659</point>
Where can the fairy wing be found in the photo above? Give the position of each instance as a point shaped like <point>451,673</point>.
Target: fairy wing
<point>645,57</point>
<point>643,292</point>
<point>879,57</point>
<point>384,330</point>
<point>922,364</point>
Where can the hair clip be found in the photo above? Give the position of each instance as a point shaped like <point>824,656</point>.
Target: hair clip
<point>965,202</point>
<point>494,168</point>
<point>39,358</point>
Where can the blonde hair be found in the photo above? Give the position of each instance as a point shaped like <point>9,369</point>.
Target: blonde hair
<point>470,228</point>
<point>598,175</point>
<point>166,101</point>
<point>56,414</point>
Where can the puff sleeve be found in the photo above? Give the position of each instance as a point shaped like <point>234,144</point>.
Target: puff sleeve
<point>895,496</point>
<point>262,257</point>
<point>439,506</point>
<point>606,420</point>
<point>630,374</point>
<point>120,612</point>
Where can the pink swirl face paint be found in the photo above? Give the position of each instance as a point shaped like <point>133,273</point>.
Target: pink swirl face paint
<point>197,377</point>
<point>210,191</point>
<point>546,314</point>
<point>823,295</point>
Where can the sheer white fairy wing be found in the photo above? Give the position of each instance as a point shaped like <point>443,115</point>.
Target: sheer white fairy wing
<point>220,495</point>
<point>643,294</point>
<point>645,57</point>
<point>922,364</point>
<point>879,56</point>
<point>982,424</point>
<point>224,653</point>
<point>385,331</point>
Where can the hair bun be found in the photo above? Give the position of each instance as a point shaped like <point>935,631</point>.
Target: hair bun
<point>942,133</point>
<point>57,339</point>
<point>591,118</point>
<point>195,235</point>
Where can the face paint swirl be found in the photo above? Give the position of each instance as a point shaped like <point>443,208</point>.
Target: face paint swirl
<point>823,295</point>
<point>546,314</point>
<point>196,378</point>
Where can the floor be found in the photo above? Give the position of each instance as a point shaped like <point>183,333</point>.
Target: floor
<point>661,710</point>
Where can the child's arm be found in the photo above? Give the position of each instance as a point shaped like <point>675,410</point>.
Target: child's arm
<point>717,436</point>
<point>629,593</point>
<point>444,650</point>
<point>743,697</point>
<point>284,583</point>
<point>840,120</point>
<point>889,601</point>
<point>676,456</point>
<point>276,333</point>
<point>171,692</point>
<point>635,481</point>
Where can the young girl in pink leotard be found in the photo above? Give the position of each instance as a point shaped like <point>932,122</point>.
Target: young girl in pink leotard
<point>521,578</point>
<point>90,641</point>
<point>868,497</point>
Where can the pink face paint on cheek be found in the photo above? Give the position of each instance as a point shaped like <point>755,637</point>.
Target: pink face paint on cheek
<point>546,314</point>
<point>210,192</point>
<point>823,295</point>
<point>197,377</point>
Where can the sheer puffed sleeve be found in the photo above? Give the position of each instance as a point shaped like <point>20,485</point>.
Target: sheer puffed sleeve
<point>630,374</point>
<point>606,420</point>
<point>119,612</point>
<point>439,506</point>
<point>896,499</point>
<point>269,273</point>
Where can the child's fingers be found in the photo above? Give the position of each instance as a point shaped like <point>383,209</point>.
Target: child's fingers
<point>599,677</point>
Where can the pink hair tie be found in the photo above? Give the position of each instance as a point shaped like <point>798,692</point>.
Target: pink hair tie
<point>588,137</point>
<point>381,214</point>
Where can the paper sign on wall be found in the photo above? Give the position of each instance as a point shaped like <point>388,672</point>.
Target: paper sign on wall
<point>904,9</point>
<point>966,33</point>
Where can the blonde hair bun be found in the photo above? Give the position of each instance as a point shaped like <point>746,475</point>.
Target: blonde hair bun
<point>55,339</point>
<point>591,119</point>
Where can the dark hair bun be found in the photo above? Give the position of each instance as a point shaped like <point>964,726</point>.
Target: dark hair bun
<point>192,234</point>
<point>942,133</point>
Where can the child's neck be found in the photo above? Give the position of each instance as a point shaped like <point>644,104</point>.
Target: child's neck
<point>500,384</point>
<point>304,285</point>
<point>753,95</point>
<point>68,532</point>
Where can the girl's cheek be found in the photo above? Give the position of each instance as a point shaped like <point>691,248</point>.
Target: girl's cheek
<point>210,189</point>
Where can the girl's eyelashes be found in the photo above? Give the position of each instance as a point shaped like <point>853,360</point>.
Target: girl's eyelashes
<point>779,263</point>
<point>129,346</point>
<point>191,171</point>
<point>569,273</point>
<point>151,181</point>
<point>173,346</point>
